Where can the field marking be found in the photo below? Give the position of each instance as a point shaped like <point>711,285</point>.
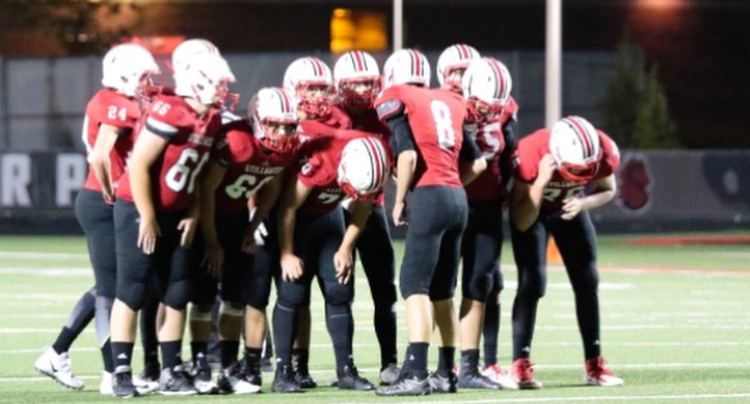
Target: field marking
<point>57,271</point>
<point>41,255</point>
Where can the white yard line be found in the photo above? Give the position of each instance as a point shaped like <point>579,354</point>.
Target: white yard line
<point>41,255</point>
<point>597,398</point>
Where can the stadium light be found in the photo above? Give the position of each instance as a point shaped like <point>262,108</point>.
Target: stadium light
<point>398,25</point>
<point>553,63</point>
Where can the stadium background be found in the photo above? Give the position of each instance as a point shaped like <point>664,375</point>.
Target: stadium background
<point>673,291</point>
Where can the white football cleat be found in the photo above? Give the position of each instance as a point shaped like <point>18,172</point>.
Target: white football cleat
<point>105,387</point>
<point>57,366</point>
<point>598,375</point>
<point>496,374</point>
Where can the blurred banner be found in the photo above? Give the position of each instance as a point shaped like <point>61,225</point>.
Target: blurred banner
<point>658,191</point>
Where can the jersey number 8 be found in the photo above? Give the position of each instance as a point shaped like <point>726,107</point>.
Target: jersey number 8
<point>443,124</point>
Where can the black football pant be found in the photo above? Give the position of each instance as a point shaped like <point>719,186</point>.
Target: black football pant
<point>437,218</point>
<point>378,260</point>
<point>316,240</point>
<point>576,240</point>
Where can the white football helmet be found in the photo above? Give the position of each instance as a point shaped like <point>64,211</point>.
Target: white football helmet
<point>486,86</point>
<point>127,68</point>
<point>407,66</point>
<point>187,49</point>
<point>273,116</point>
<point>310,82</point>
<point>357,79</point>
<point>364,168</point>
<point>451,62</point>
<point>206,78</point>
<point>574,143</point>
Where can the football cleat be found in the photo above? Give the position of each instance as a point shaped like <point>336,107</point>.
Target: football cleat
<point>176,382</point>
<point>496,374</point>
<point>284,382</point>
<point>389,374</point>
<point>233,380</point>
<point>349,379</point>
<point>105,386</point>
<point>598,375</point>
<point>522,373</point>
<point>406,385</point>
<point>122,383</point>
<point>58,367</point>
<point>441,383</point>
<point>202,379</point>
<point>148,380</point>
<point>470,378</point>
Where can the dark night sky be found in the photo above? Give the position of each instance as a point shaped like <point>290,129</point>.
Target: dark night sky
<point>701,47</point>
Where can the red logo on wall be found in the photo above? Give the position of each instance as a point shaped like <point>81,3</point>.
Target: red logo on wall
<point>635,183</point>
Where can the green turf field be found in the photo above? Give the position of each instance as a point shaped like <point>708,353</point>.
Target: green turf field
<point>676,327</point>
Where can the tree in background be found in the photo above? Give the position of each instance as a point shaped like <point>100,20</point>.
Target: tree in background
<point>637,113</point>
<point>654,128</point>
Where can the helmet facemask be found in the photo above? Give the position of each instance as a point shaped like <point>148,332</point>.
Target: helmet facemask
<point>481,111</point>
<point>277,135</point>
<point>314,98</point>
<point>453,76</point>
<point>359,93</point>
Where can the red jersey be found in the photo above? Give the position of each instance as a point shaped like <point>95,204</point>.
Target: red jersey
<point>533,147</point>
<point>491,142</point>
<point>111,108</point>
<point>248,165</point>
<point>312,128</point>
<point>368,121</point>
<point>319,171</point>
<point>191,137</point>
<point>436,119</point>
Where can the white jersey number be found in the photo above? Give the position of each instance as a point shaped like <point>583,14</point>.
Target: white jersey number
<point>443,124</point>
<point>186,170</point>
<point>326,198</point>
<point>551,194</point>
<point>246,185</point>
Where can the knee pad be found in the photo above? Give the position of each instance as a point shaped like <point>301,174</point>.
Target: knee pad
<point>478,288</point>
<point>293,295</point>
<point>134,296</point>
<point>177,294</point>
<point>532,288</point>
<point>200,312</point>
<point>231,309</point>
<point>338,294</point>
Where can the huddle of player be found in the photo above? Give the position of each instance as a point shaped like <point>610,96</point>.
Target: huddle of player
<point>185,201</point>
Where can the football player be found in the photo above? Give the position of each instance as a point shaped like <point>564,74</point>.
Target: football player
<point>111,115</point>
<point>452,64</point>
<point>156,214</point>
<point>310,82</point>
<point>250,159</point>
<point>314,242</point>
<point>358,81</point>
<point>427,128</point>
<point>553,167</point>
<point>486,88</point>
